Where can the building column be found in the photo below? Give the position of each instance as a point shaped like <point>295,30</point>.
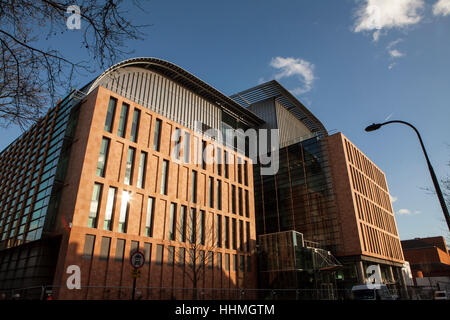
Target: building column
<point>360,272</point>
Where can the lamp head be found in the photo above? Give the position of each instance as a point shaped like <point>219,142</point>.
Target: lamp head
<point>373,127</point>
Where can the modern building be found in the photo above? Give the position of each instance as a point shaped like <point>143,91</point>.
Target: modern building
<point>116,167</point>
<point>326,189</point>
<point>428,257</point>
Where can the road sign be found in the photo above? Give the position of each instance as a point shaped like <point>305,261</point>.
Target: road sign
<point>136,273</point>
<point>137,260</point>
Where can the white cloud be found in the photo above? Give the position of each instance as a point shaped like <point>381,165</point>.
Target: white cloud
<point>289,67</point>
<point>442,7</point>
<point>395,53</point>
<point>387,14</point>
<point>393,199</point>
<point>407,212</point>
<point>404,211</point>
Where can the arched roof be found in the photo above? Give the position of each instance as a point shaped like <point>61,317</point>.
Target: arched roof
<point>185,79</point>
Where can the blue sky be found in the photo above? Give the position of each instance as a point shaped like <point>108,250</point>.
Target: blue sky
<point>350,62</point>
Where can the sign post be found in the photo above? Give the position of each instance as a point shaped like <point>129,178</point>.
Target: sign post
<point>137,261</point>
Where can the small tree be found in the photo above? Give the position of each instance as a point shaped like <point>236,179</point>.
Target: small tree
<point>197,239</point>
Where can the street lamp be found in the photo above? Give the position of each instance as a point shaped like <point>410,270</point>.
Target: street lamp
<point>376,126</point>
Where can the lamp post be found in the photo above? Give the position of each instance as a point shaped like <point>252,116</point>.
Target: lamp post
<point>376,126</point>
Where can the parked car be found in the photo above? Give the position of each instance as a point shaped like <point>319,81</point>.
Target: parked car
<point>372,292</point>
<point>440,295</point>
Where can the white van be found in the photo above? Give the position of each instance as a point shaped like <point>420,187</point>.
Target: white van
<point>371,292</point>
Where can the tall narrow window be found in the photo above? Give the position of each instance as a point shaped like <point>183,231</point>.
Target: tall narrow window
<point>247,236</point>
<point>219,161</point>
<point>147,252</point>
<point>210,259</point>
<point>159,254</point>
<point>225,164</point>
<point>149,219</point>
<point>109,212</point>
<point>219,194</point>
<point>246,172</point>
<point>202,227</point>
<point>194,187</point>
<point>124,208</point>
<point>93,212</point>
<point>157,135</point>
<point>141,172</point>
<point>181,256</point>
<point>135,125</point>
<point>227,261</point>
<point>89,242</point>
<point>101,164</point>
<point>240,201</point>
<point>104,248</point>
<point>239,167</point>
<point>120,249</point>
<point>164,176</point>
<point>129,166</point>
<point>211,192</point>
<point>187,147</point>
<point>227,233</point>
<point>110,114</point>
<point>233,199</point>
<point>123,120</point>
<point>173,221</point>
<point>233,230</point>
<point>170,255</point>
<point>203,154</point>
<point>192,225</point>
<point>219,260</point>
<point>182,224</point>
<point>219,230</point>
<point>234,262</point>
<point>247,206</point>
<point>176,149</point>
<point>241,263</point>
<point>134,247</point>
<point>241,235</point>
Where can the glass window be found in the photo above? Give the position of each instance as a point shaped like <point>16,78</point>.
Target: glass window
<point>241,263</point>
<point>164,176</point>
<point>219,230</point>
<point>134,247</point>
<point>173,221</point>
<point>227,261</point>
<point>170,255</point>
<point>239,166</point>
<point>210,259</point>
<point>159,254</point>
<point>211,192</point>
<point>226,166</point>
<point>240,201</point>
<point>203,154</point>
<point>187,147</point>
<point>89,242</point>
<point>142,169</point>
<point>109,212</point>
<point>93,212</point>
<point>246,172</point>
<point>123,120</point>
<point>192,225</point>
<point>182,224</point>
<point>110,114</point>
<point>124,208</point>
<point>177,143</point>
<point>247,207</point>
<point>120,249</point>
<point>129,166</point>
<point>219,161</point>
<point>194,187</point>
<point>233,199</point>
<point>104,248</point>
<point>147,252</point>
<point>227,232</point>
<point>219,194</point>
<point>219,260</point>
<point>181,256</point>
<point>202,227</point>
<point>157,135</point>
<point>241,235</point>
<point>149,220</point>
<point>101,164</point>
<point>234,236</point>
<point>135,125</point>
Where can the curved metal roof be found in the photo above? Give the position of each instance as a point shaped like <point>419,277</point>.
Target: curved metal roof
<point>273,89</point>
<point>187,80</point>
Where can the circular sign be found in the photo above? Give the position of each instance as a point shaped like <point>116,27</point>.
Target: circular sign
<point>137,260</point>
